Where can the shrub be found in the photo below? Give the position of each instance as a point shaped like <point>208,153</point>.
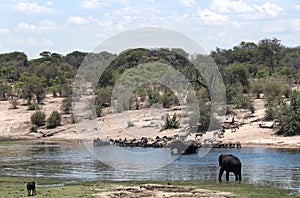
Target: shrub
<point>13,103</point>
<point>66,105</point>
<point>33,128</point>
<point>38,118</point>
<point>54,120</point>
<point>272,89</point>
<point>256,88</point>
<point>33,106</point>
<point>171,122</point>
<point>98,110</point>
<point>130,124</point>
<point>153,96</point>
<point>289,117</point>
<point>165,99</point>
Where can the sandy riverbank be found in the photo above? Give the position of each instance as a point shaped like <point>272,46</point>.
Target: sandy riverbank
<point>15,123</point>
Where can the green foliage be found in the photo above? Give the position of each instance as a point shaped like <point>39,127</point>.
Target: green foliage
<point>286,91</point>
<point>237,73</point>
<point>134,101</point>
<point>171,122</point>
<point>32,106</point>
<point>5,90</point>
<point>272,107</point>
<point>153,96</point>
<point>168,98</point>
<point>289,117</point>
<point>271,51</point>
<point>272,89</point>
<point>103,95</point>
<point>54,120</point>
<point>66,105</point>
<point>33,128</point>
<point>256,87</point>
<point>32,86</point>
<point>99,111</point>
<point>38,118</point>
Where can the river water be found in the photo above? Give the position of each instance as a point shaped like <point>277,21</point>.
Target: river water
<point>267,166</point>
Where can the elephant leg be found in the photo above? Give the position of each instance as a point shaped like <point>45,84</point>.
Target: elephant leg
<point>240,175</point>
<point>220,174</point>
<point>236,176</point>
<point>227,175</point>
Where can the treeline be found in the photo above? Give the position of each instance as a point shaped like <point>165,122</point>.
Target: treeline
<point>250,70</point>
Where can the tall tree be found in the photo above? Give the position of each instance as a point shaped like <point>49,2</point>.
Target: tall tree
<point>271,51</point>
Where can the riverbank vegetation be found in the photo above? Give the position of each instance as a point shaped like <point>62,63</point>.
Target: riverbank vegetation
<point>266,70</point>
<point>47,187</point>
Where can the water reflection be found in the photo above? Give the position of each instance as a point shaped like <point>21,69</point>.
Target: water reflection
<point>277,167</point>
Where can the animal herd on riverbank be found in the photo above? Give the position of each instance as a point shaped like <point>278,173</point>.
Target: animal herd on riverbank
<point>183,146</point>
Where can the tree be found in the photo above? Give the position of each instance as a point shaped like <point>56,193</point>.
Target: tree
<point>289,117</point>
<point>271,51</point>
<point>32,86</point>
<point>237,73</point>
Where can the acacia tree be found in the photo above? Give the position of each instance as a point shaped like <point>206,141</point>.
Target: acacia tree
<point>32,86</point>
<point>271,51</point>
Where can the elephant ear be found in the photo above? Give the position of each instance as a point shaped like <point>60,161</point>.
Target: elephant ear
<point>220,159</point>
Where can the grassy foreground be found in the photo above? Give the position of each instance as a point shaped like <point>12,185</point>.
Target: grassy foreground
<point>16,187</point>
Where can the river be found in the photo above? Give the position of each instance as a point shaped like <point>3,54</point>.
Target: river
<point>266,166</point>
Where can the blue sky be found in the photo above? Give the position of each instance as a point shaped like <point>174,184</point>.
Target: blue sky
<point>64,26</point>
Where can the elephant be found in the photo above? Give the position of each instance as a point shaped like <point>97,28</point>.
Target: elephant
<point>230,163</point>
<point>31,188</point>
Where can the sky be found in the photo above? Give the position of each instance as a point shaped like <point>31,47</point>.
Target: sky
<point>62,26</point>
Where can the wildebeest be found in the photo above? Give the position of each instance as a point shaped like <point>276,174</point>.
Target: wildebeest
<point>31,188</point>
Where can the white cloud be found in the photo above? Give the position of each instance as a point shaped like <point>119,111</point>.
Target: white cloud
<point>46,24</point>
<point>91,4</point>
<point>79,20</point>
<point>229,6</point>
<point>32,8</point>
<point>270,9</point>
<point>41,26</point>
<point>296,24</point>
<point>39,42</point>
<point>277,26</point>
<point>26,26</point>
<point>297,7</point>
<point>214,19</point>
<point>187,3</point>
<point>4,30</point>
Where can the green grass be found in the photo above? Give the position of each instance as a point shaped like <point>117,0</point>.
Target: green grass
<point>16,187</point>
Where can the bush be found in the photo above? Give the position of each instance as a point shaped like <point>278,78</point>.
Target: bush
<point>256,88</point>
<point>66,105</point>
<point>153,96</point>
<point>165,101</point>
<point>13,103</point>
<point>54,120</point>
<point>98,110</point>
<point>38,118</point>
<point>33,128</point>
<point>289,117</point>
<point>33,106</point>
<point>171,122</point>
<point>272,89</point>
<point>130,124</point>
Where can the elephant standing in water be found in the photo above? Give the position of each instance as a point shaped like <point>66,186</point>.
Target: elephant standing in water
<point>230,163</point>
